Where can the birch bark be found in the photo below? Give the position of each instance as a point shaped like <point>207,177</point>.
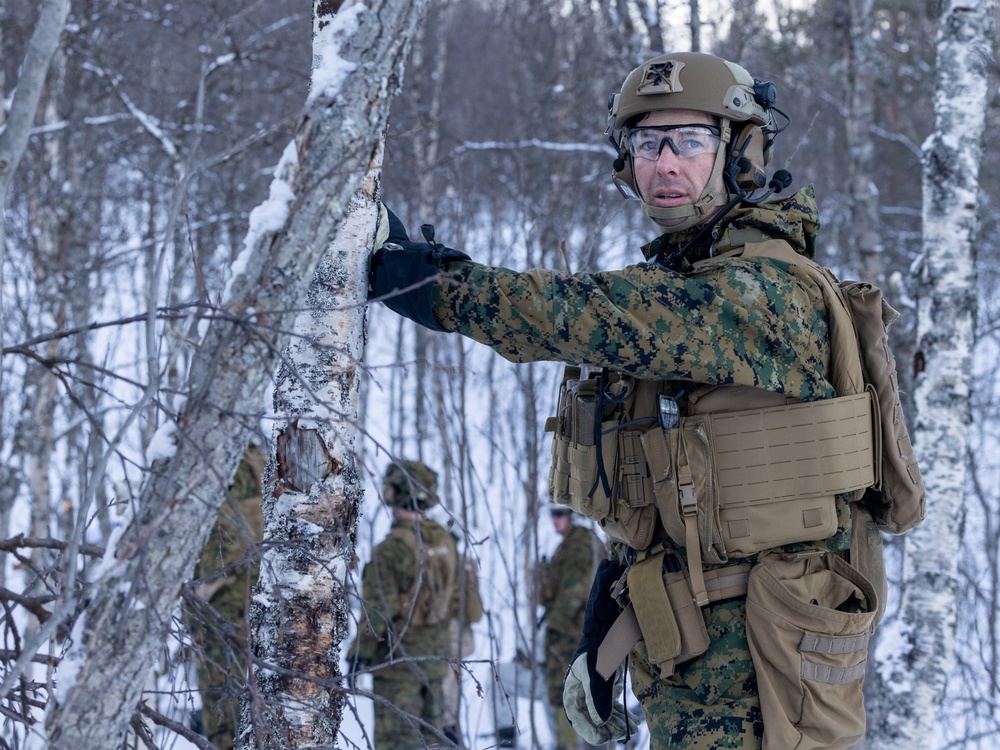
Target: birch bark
<point>132,599</point>
<point>915,650</point>
<point>312,498</point>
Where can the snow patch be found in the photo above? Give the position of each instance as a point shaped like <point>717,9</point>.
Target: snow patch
<point>269,217</point>
<point>307,528</point>
<point>72,661</point>
<point>329,68</point>
<point>108,565</point>
<point>164,442</point>
<point>263,600</point>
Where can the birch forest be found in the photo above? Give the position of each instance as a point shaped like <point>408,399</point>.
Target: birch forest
<point>188,205</point>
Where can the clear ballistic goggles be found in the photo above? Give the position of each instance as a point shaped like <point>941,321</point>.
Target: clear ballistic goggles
<point>685,141</point>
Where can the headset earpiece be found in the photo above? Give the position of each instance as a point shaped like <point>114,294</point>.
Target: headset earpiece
<point>749,155</point>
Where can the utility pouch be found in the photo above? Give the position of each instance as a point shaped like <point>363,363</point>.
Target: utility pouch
<point>690,621</point>
<point>720,583</point>
<point>654,609</point>
<point>809,621</point>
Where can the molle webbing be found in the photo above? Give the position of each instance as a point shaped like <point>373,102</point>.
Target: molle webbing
<point>799,450</point>
<point>793,458</point>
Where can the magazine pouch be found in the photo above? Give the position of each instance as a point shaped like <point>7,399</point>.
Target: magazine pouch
<point>672,625</point>
<point>598,468</point>
<point>809,620</point>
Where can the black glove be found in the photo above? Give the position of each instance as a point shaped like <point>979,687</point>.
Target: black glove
<point>399,267</point>
<point>589,699</point>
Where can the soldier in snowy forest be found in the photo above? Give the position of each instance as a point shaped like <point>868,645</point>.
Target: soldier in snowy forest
<point>746,575</point>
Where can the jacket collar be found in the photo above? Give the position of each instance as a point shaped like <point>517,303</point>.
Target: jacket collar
<point>794,219</point>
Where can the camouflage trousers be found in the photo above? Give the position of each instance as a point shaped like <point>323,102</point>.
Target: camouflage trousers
<point>413,691</point>
<point>708,703</point>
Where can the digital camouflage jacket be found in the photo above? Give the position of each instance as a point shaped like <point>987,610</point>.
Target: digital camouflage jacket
<point>732,322</point>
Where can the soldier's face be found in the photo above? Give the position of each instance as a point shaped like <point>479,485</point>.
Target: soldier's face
<point>561,522</point>
<point>670,180</point>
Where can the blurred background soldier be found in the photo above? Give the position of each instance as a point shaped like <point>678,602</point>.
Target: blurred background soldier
<point>225,576</point>
<point>563,587</point>
<point>409,600</point>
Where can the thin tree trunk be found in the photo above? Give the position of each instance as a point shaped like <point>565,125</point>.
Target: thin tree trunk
<point>915,651</point>
<point>123,628</point>
<point>695,25</point>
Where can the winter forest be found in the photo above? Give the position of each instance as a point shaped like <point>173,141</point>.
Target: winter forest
<point>188,206</point>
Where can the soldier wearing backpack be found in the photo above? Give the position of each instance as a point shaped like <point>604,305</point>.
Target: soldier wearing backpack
<point>409,596</point>
<point>729,417</point>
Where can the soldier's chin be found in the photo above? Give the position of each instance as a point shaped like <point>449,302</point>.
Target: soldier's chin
<point>670,223</point>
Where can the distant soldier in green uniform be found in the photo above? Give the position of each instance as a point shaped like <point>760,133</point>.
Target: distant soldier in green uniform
<point>563,586</point>
<point>709,388</point>
<point>227,572</point>
<point>409,597</point>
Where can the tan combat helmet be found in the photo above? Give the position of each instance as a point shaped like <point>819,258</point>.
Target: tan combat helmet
<point>705,83</point>
<point>410,485</point>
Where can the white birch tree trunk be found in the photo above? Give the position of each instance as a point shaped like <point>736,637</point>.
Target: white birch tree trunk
<point>312,498</point>
<point>122,630</point>
<point>299,613</point>
<point>915,650</point>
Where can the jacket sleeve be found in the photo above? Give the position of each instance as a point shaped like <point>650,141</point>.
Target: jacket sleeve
<point>739,321</point>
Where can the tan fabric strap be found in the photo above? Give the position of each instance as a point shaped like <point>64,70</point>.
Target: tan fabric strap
<point>618,642</point>
<point>825,644</point>
<point>832,675</point>
<point>721,583</point>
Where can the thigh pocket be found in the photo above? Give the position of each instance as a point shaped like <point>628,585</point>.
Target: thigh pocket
<point>808,626</point>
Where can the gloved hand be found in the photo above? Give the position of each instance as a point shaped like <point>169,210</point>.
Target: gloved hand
<point>591,702</point>
<point>402,270</point>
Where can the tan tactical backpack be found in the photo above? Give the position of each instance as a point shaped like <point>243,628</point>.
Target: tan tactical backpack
<point>431,599</point>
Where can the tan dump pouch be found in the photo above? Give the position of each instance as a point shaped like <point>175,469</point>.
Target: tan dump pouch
<point>808,626</point>
<point>750,480</point>
<point>629,628</point>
